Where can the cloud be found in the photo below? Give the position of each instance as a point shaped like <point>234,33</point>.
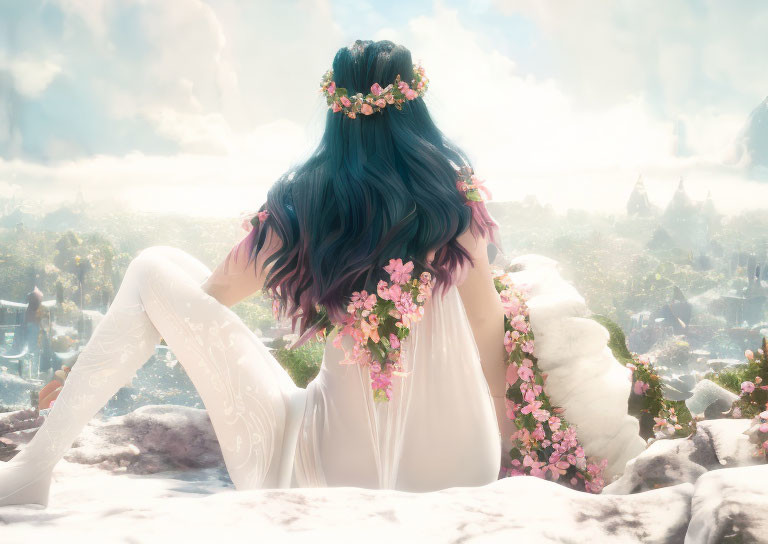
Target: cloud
<point>197,107</point>
<point>30,77</point>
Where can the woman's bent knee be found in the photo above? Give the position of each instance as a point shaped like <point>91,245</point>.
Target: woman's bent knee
<point>148,261</point>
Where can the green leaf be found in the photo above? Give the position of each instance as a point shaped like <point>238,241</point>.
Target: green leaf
<point>474,194</point>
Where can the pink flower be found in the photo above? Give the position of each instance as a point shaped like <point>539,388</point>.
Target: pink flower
<point>390,98</point>
<point>358,298</point>
<point>530,408</point>
<point>344,100</point>
<point>747,387</point>
<point>382,289</point>
<point>527,346</point>
<point>519,324</point>
<point>366,109</point>
<point>369,330</point>
<point>512,408</point>
<point>535,466</point>
<point>529,395</point>
<point>403,86</point>
<point>332,88</point>
<point>399,272</point>
<point>335,107</point>
<point>376,89</point>
<point>509,343</point>
<point>749,355</point>
<point>381,103</point>
<point>554,423</point>
<point>394,341</point>
<point>512,376</point>
<point>640,387</point>
<point>410,94</point>
<point>524,371</point>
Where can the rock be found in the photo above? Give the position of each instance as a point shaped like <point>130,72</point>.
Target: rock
<point>149,440</point>
<point>730,441</point>
<point>707,393</point>
<point>678,387</point>
<point>720,364</point>
<point>730,505</point>
<point>16,391</point>
<point>160,509</point>
<point>715,444</point>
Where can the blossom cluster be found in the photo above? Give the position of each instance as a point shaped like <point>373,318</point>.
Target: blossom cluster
<point>380,97</point>
<point>752,382</point>
<point>753,400</point>
<point>758,433</point>
<point>545,444</point>
<point>472,186</point>
<point>380,322</point>
<point>658,417</point>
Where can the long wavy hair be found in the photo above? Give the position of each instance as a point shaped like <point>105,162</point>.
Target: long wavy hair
<point>377,187</point>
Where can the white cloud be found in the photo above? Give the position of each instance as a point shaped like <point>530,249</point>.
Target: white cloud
<point>30,77</point>
<point>232,85</point>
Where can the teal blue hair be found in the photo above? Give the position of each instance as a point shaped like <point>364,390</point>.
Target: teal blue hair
<point>377,187</point>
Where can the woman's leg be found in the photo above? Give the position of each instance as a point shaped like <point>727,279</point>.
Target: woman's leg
<point>247,393</point>
<point>241,384</point>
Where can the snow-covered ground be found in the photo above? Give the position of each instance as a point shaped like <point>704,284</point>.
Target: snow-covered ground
<point>156,475</point>
<point>88,504</point>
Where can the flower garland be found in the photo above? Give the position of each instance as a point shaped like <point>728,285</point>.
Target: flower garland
<point>658,417</point>
<point>545,444</point>
<point>395,94</point>
<point>379,322</point>
<point>472,186</point>
<point>753,400</point>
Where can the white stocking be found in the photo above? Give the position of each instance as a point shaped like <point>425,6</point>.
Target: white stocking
<point>249,397</point>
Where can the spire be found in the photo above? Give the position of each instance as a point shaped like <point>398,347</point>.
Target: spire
<point>638,203</point>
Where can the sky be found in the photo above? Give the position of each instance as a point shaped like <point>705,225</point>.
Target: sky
<point>196,107</point>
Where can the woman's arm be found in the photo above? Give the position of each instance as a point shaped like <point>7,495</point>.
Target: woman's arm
<point>235,278</point>
<point>486,316</point>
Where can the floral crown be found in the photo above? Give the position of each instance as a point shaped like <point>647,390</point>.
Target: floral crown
<point>395,93</point>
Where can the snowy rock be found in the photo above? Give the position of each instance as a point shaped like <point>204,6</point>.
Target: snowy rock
<point>678,387</point>
<point>708,395</point>
<point>15,391</point>
<point>730,441</point>
<point>730,505</point>
<point>715,444</point>
<point>86,501</point>
<point>148,440</point>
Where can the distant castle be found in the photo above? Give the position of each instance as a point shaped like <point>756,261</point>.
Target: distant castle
<point>684,222</point>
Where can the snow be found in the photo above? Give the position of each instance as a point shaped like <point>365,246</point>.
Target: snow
<point>156,475</point>
<point>197,505</point>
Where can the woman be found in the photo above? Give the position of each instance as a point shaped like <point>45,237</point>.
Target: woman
<point>381,185</point>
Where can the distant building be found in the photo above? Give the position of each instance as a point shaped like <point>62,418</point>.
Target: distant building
<point>638,203</point>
